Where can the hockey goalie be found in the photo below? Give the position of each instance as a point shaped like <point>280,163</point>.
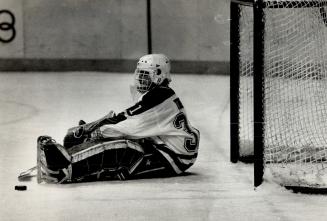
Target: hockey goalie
<point>152,138</point>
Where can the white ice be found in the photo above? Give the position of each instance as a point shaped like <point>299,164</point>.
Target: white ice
<point>33,104</point>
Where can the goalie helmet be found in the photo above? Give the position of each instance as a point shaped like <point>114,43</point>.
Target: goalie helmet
<point>151,69</point>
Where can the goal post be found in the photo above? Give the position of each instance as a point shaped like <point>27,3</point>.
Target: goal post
<point>241,81</point>
<point>234,82</point>
<point>279,96</point>
<point>258,89</point>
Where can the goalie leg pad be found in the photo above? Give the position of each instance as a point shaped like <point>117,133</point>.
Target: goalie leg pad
<point>89,161</point>
<point>106,160</point>
<point>53,161</point>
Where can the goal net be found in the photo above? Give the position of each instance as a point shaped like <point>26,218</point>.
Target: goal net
<point>281,58</point>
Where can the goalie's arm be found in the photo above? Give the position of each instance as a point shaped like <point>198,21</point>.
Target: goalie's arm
<point>144,119</point>
<point>77,135</point>
<point>113,119</point>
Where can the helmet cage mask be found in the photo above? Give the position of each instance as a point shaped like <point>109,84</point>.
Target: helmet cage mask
<point>151,70</point>
<point>143,79</point>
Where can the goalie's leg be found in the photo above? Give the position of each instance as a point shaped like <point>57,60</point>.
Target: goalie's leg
<point>154,164</point>
<point>105,160</point>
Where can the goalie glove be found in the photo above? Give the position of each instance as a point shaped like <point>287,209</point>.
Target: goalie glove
<point>96,135</point>
<point>79,134</point>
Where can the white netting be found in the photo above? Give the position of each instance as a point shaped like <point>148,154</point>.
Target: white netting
<point>246,82</point>
<point>295,105</point>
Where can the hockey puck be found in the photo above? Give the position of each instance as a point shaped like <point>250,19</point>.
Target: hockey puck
<point>21,187</point>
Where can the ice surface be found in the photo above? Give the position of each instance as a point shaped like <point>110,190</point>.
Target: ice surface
<point>33,104</point>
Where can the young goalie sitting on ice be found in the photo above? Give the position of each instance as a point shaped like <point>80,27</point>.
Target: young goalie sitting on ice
<point>151,138</point>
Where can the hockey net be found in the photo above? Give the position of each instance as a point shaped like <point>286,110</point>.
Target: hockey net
<point>295,91</point>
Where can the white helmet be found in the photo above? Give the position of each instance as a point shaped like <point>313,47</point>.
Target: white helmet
<point>151,69</point>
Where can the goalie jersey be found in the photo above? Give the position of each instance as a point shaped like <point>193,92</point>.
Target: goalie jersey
<point>159,115</point>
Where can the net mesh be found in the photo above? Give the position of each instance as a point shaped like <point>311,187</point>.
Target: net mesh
<point>295,98</point>
<point>246,82</point>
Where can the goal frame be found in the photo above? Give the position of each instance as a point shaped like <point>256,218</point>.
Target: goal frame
<point>258,75</point>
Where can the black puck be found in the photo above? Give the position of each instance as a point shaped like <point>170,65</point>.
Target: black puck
<point>21,187</point>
